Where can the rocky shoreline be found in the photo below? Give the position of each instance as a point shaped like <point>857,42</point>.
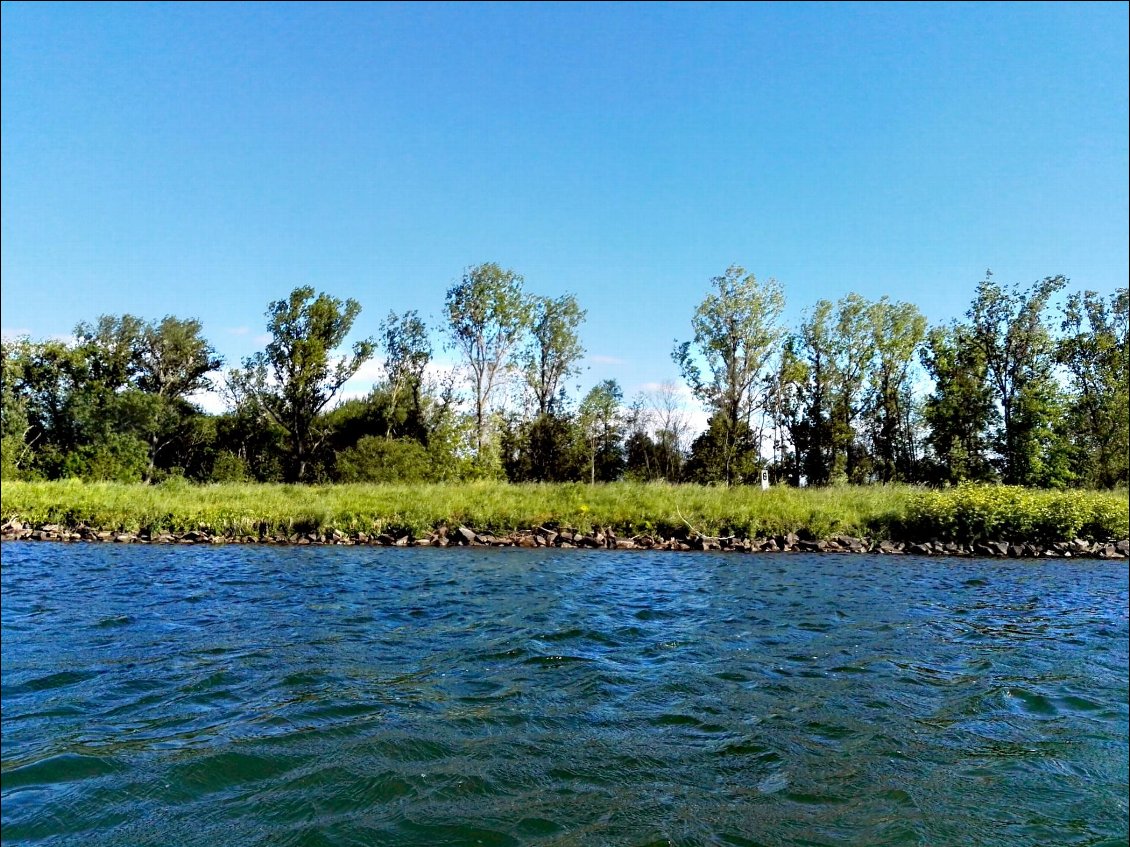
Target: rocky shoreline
<point>603,539</point>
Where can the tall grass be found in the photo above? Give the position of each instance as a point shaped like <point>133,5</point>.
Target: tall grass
<point>965,513</point>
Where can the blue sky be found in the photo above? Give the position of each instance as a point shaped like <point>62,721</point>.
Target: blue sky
<point>202,160</point>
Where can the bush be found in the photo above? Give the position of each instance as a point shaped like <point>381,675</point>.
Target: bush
<point>228,467</point>
<point>376,459</point>
<point>973,512</point>
<point>118,458</point>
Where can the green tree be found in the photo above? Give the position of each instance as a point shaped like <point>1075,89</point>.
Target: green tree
<point>298,375</point>
<point>1008,329</point>
<point>1095,351</point>
<point>51,380</point>
<point>487,315</point>
<point>801,402</point>
<point>736,333</point>
<point>376,459</point>
<point>15,452</point>
<point>810,395</point>
<point>173,361</point>
<point>110,348</point>
<point>544,449</point>
<point>724,448</point>
<point>601,425</point>
<point>897,332</point>
<point>552,350</point>
<point>959,412</point>
<point>852,355</point>
<point>407,352</point>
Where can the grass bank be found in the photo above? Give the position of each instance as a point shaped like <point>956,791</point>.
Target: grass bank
<point>966,513</point>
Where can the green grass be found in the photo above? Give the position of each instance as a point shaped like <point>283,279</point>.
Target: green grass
<point>965,513</point>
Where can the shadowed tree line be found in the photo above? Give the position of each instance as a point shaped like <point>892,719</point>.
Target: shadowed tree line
<point>1029,388</point>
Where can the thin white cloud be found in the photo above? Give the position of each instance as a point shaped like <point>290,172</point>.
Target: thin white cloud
<point>239,330</point>
<point>681,389</point>
<point>606,360</point>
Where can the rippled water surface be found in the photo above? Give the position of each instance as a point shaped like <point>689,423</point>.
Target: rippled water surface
<point>240,695</point>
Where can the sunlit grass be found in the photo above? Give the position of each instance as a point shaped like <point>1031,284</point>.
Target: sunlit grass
<point>965,513</point>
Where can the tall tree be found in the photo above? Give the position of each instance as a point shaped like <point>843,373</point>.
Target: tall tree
<point>50,379</point>
<point>15,451</point>
<point>671,429</point>
<point>736,332</point>
<point>173,362</point>
<point>487,315</point>
<point>959,412</point>
<point>174,359</point>
<point>797,405</point>
<point>600,421</point>
<point>852,354</point>
<point>552,350</point>
<point>407,351</point>
<point>1095,351</point>
<point>1007,327</point>
<point>897,331</point>
<point>298,375</point>
<point>110,347</point>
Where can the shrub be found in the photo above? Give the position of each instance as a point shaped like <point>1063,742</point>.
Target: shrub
<point>376,459</point>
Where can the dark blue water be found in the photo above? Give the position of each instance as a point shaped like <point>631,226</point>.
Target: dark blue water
<point>298,696</point>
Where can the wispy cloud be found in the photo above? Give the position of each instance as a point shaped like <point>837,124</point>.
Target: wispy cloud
<point>606,360</point>
<point>680,389</point>
<point>239,330</point>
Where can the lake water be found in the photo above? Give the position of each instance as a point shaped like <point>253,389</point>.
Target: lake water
<point>309,696</point>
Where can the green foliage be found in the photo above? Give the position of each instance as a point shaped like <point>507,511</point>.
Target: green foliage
<point>547,449</point>
<point>960,411</point>
<point>12,449</point>
<point>842,400</point>
<point>736,332</point>
<point>228,467</point>
<point>601,427</point>
<point>487,314</point>
<point>1007,328</point>
<point>552,351</point>
<point>173,359</point>
<point>297,376</point>
<point>1095,350</point>
<point>117,457</point>
<point>723,456</point>
<point>897,332</point>
<point>376,459</point>
<point>972,512</point>
<point>407,351</point>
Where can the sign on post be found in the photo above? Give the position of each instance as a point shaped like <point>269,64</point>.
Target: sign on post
<point>764,480</point>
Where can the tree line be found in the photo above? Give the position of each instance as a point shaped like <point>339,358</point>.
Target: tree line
<point>1020,391</point>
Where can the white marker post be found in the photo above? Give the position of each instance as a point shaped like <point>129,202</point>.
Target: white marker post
<point>764,480</point>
